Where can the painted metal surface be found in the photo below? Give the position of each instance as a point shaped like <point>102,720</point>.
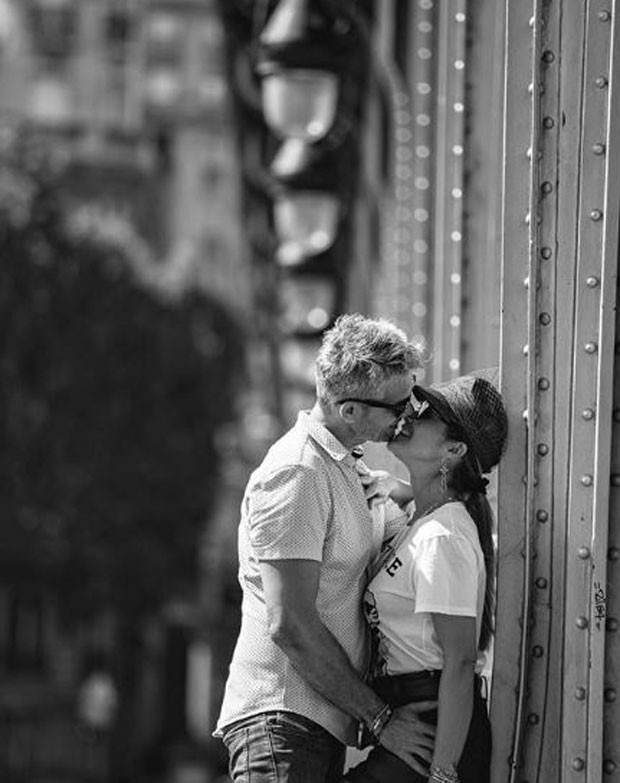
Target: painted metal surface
<point>448,181</point>
<point>514,545</point>
<point>552,675</point>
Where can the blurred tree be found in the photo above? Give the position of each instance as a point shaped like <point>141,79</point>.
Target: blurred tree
<point>110,397</point>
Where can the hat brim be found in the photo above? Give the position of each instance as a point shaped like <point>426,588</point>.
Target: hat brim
<point>437,403</point>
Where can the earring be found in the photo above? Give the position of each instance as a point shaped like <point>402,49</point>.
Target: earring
<point>443,476</point>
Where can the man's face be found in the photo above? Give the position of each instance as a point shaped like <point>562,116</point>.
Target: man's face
<point>378,424</point>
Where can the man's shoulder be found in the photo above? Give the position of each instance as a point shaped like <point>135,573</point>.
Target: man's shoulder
<point>295,453</point>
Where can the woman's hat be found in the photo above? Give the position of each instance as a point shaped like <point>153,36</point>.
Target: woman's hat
<point>473,404</point>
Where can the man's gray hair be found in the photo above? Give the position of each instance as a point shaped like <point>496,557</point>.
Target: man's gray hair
<point>359,354</point>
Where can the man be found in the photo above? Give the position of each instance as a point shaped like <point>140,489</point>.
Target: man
<point>295,694</point>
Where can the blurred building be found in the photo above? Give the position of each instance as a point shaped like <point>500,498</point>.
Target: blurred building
<point>132,95</point>
<point>131,99</point>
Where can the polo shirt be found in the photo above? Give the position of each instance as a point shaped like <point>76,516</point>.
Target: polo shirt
<point>305,501</point>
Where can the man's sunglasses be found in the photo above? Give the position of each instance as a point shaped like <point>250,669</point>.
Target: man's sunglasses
<point>397,408</point>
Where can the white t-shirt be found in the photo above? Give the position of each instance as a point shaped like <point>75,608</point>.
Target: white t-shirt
<point>436,566</point>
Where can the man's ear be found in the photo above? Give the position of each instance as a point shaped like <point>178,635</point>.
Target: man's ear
<point>348,411</point>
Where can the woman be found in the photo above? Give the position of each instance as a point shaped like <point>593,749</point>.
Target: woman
<point>430,602</point>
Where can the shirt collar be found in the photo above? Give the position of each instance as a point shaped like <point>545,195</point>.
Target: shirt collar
<point>319,433</point>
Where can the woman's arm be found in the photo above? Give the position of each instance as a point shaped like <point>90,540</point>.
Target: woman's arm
<point>457,637</point>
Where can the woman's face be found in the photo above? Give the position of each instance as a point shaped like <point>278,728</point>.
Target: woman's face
<point>422,444</point>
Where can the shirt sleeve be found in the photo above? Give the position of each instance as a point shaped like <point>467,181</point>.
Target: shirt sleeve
<point>288,515</point>
<point>445,576</point>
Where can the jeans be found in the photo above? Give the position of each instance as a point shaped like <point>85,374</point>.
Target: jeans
<point>381,766</point>
<point>282,747</point>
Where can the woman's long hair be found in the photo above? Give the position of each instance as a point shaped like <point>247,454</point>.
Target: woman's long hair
<point>468,484</point>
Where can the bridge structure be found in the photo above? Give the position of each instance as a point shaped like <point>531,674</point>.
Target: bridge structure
<point>486,218</point>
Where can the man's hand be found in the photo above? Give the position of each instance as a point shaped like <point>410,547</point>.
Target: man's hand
<point>379,485</point>
<point>407,736</point>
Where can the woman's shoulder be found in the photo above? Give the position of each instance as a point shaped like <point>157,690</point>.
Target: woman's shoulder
<point>451,519</point>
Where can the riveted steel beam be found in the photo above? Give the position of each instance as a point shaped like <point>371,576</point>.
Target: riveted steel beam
<point>448,210</point>
<point>516,475</point>
<point>552,674</point>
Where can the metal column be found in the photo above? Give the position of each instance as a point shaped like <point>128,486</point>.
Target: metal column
<point>560,258</point>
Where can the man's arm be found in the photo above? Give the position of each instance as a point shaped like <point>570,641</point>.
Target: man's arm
<point>290,588</point>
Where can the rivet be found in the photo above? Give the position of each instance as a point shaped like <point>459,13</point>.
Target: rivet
<point>610,694</point>
<point>544,384</point>
<point>615,479</point>
<point>537,651</point>
<point>532,21</point>
<point>526,282</point>
<point>578,764</point>
<point>541,583</point>
<point>548,123</point>
<point>543,449</point>
<point>601,82</point>
<point>547,187</point>
<point>542,515</point>
<point>527,218</point>
<point>533,719</point>
<point>526,350</point>
<point>611,624</point>
<point>587,480</point>
<point>609,766</point>
<point>546,253</point>
<point>587,414</point>
<point>592,282</point>
<point>604,16</point>
<point>525,415</point>
<point>530,88</point>
<point>591,347</point>
<point>548,56</point>
<point>596,215</point>
<point>545,319</point>
<point>598,148</point>
<point>580,693</point>
<point>581,622</point>
<point>583,553</point>
<point>613,553</point>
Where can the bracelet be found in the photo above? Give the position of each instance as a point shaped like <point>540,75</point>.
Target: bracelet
<point>368,733</point>
<point>447,774</point>
<point>380,721</point>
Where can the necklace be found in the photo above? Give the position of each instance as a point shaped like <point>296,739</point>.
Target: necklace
<point>431,507</point>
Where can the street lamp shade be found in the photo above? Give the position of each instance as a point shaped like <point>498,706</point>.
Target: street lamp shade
<point>305,223</point>
<point>300,103</point>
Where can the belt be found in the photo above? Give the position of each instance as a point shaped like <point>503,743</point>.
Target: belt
<point>399,689</point>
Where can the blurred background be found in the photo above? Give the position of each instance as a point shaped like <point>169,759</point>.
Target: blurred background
<point>190,193</point>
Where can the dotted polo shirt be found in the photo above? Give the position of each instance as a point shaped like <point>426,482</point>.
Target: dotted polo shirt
<point>305,501</point>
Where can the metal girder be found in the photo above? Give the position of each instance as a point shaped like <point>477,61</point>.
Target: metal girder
<point>559,295</point>
<point>448,183</point>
